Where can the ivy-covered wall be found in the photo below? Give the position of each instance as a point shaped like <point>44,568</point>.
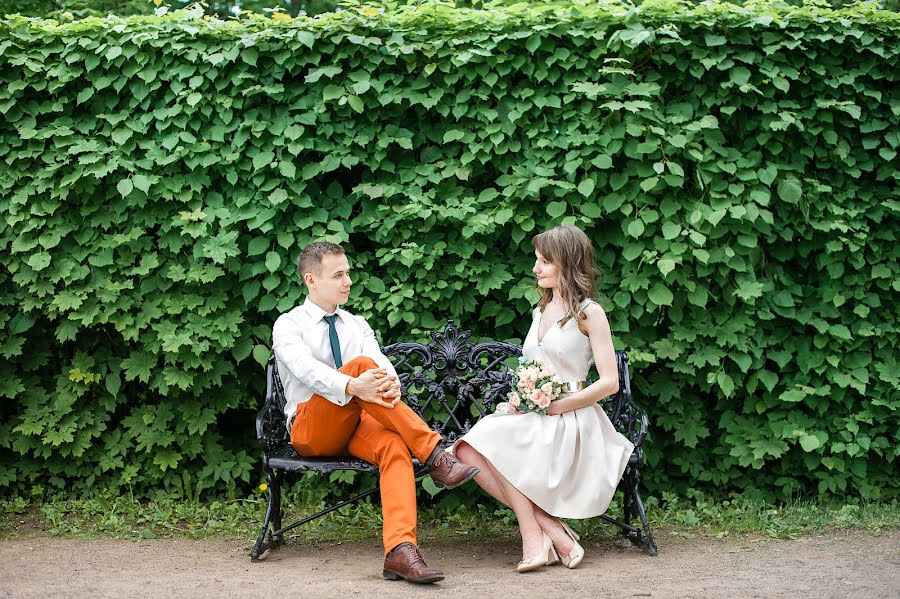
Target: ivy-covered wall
<point>735,167</point>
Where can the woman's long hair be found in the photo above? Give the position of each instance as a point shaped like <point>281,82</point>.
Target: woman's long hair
<point>571,251</point>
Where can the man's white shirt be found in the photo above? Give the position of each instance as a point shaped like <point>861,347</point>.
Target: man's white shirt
<point>303,353</point>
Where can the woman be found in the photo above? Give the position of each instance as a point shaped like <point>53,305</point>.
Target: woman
<point>565,464</point>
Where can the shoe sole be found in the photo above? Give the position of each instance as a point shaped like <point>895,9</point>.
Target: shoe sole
<point>460,483</point>
<point>391,575</point>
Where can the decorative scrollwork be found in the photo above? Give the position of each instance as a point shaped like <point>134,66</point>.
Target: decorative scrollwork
<point>450,349</point>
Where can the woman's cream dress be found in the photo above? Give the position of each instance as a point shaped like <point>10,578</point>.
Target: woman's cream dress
<point>569,464</point>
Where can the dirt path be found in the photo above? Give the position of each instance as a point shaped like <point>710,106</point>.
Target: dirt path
<point>854,564</point>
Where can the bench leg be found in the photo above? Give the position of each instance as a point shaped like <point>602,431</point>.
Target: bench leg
<point>635,506</point>
<point>629,498</point>
<point>277,512</point>
<point>265,540</point>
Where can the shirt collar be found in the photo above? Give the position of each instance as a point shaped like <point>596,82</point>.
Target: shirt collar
<point>317,313</point>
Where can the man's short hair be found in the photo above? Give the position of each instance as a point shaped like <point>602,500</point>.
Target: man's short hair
<point>310,259</point>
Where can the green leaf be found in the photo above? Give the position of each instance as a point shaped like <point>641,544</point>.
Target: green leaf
<point>120,136</point>
<point>242,348</point>
<point>273,261</point>
<point>258,245</point>
<point>453,135</point>
<point>671,230</point>
<point>666,266</point>
<point>332,92</point>
<point>84,95</point>
<point>141,182</point>
<point>125,187</point>
<point>278,196</point>
<point>10,387</point>
<point>649,183</point>
<point>556,209</point>
<point>430,487</point>
<point>586,187</point>
<point>636,228</point>
<point>740,75</point>
<point>250,291</point>
<point>809,442</point>
<point>793,395</point>
<point>356,103</point>
<point>113,383</point>
<point>166,459</point>
<point>307,38</point>
<point>263,159</point>
<point>790,190</point>
<point>375,285</point>
<point>660,295</point>
<point>591,210</point>
<point>261,354</point>
<point>39,261</point>
<point>139,365</point>
<point>287,169</point>
<point>768,379</point>
<point>726,383</point>
<point>602,161</point>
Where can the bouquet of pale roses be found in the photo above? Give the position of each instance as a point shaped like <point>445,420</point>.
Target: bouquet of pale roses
<point>534,385</point>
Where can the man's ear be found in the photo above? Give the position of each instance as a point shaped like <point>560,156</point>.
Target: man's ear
<point>310,279</point>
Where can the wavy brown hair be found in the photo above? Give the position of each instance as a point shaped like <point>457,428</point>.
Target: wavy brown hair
<point>570,250</point>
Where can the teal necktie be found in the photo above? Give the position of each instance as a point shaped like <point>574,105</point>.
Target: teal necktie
<point>335,343</point>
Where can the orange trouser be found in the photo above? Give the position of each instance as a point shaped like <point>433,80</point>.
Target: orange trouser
<point>381,436</point>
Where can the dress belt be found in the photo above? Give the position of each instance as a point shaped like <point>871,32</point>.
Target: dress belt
<point>573,386</point>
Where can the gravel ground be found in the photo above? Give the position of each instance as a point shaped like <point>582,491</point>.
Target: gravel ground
<point>847,564</point>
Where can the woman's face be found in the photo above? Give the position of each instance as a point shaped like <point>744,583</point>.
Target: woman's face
<point>545,271</point>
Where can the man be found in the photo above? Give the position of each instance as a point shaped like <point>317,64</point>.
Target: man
<point>343,397</point>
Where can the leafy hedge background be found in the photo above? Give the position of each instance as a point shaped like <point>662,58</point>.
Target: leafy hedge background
<point>736,168</point>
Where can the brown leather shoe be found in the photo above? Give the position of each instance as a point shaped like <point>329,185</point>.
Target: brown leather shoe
<point>406,561</point>
<point>447,471</point>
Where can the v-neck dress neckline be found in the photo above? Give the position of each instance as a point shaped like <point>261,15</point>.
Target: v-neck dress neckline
<point>555,325</point>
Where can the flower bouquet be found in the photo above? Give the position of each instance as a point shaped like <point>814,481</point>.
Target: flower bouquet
<point>534,385</point>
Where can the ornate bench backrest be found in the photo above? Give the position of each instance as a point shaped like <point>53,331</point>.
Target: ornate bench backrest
<point>451,383</point>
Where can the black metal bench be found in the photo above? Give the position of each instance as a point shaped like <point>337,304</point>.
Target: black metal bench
<point>451,383</point>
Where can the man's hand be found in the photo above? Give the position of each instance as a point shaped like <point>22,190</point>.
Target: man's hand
<point>366,387</point>
<point>390,389</point>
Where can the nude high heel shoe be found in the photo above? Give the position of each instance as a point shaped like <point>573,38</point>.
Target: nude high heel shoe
<point>546,556</point>
<point>577,553</point>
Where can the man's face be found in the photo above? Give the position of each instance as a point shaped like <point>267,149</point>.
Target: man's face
<point>331,286</point>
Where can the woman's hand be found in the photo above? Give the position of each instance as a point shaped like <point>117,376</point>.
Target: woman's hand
<point>505,407</point>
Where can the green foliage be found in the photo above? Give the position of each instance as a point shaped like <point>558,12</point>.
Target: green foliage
<point>75,8</point>
<point>736,168</point>
<point>109,515</point>
<point>68,9</point>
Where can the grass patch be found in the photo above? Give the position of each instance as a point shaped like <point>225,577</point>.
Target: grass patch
<point>121,517</point>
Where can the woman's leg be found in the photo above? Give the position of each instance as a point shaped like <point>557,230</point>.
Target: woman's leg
<point>555,531</point>
<point>503,491</point>
<point>495,484</point>
<point>485,479</point>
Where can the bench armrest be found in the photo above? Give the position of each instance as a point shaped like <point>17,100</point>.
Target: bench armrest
<point>270,426</point>
<point>628,418</point>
